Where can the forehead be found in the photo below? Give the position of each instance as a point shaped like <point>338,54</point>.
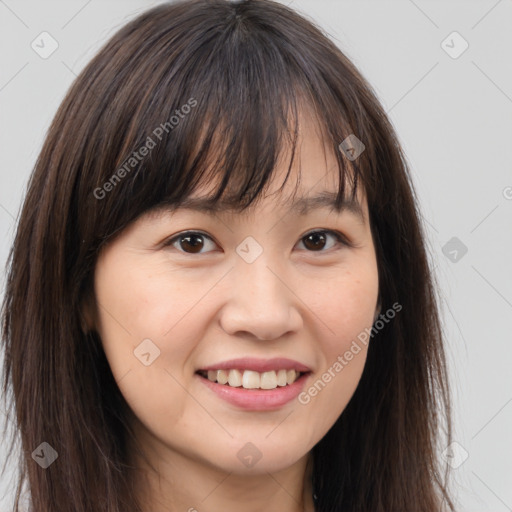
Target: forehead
<point>323,196</point>
<point>314,165</point>
<point>304,179</point>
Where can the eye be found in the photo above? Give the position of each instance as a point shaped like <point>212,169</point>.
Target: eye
<point>193,242</point>
<point>316,241</point>
<point>190,242</point>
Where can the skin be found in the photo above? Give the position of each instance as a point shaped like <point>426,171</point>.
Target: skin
<point>292,301</point>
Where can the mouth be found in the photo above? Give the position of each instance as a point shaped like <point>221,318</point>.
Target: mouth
<point>254,384</point>
<point>251,379</point>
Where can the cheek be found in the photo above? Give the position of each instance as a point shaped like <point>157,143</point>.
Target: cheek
<point>137,302</point>
<point>345,310</point>
<point>141,318</point>
<point>137,299</point>
<point>345,305</point>
<point>147,310</point>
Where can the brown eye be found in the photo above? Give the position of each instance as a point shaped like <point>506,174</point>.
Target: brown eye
<point>190,243</point>
<point>317,240</point>
<point>193,242</point>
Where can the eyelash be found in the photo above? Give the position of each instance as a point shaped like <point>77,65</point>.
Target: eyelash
<point>340,239</point>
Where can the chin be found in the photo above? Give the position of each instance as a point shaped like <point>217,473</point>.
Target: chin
<point>259,457</point>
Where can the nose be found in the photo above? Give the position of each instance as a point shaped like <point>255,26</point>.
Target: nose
<point>261,302</point>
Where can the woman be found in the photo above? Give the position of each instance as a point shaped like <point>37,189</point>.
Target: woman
<point>219,296</point>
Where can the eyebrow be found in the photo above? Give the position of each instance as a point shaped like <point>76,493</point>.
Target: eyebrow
<point>300,206</point>
<point>327,200</point>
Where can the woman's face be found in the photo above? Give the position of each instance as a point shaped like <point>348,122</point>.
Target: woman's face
<point>257,295</point>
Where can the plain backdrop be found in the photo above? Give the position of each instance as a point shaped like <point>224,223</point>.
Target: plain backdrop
<point>448,94</point>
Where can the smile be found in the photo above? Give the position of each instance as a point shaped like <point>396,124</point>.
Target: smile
<point>249,379</point>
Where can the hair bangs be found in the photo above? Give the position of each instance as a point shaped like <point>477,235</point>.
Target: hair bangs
<point>233,111</point>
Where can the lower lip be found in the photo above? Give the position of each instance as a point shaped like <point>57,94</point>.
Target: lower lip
<point>257,399</point>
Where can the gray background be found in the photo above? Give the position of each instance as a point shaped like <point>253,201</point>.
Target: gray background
<point>453,116</point>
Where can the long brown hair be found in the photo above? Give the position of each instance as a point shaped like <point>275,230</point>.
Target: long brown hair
<point>236,73</point>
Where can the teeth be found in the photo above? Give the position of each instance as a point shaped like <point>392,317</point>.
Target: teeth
<point>291,376</point>
<point>235,378</point>
<point>222,376</point>
<point>269,380</point>
<point>249,379</point>
<point>281,378</point>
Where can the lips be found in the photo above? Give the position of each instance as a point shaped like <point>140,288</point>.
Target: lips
<point>259,365</point>
<point>254,375</point>
<point>269,396</point>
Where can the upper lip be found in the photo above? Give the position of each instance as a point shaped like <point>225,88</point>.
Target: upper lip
<point>258,365</point>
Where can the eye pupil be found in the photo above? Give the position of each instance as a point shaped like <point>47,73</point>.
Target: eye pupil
<point>192,241</point>
<point>315,237</point>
